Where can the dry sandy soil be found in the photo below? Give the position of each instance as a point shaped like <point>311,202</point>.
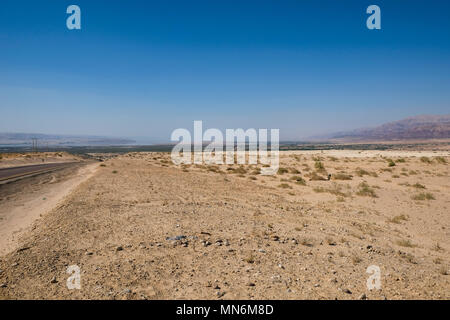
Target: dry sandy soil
<point>295,235</point>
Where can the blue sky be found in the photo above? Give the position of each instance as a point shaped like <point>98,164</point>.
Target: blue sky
<point>145,68</point>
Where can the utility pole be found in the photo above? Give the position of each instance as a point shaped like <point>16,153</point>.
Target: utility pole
<point>34,144</point>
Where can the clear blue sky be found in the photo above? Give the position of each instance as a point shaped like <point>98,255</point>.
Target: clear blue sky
<point>144,68</point>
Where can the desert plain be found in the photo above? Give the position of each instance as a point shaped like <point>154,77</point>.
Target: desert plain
<point>140,227</point>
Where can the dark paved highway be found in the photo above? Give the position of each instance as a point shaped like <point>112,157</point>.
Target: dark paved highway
<point>22,171</point>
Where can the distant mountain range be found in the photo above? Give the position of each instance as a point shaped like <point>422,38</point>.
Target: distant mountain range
<point>24,139</point>
<point>417,128</point>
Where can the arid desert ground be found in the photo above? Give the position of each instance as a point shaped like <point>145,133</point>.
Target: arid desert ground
<point>140,227</point>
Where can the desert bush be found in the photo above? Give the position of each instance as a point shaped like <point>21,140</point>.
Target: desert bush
<point>285,186</point>
<point>419,186</point>
<point>391,163</point>
<point>423,196</point>
<point>443,271</point>
<point>335,189</point>
<point>425,160</point>
<point>240,170</point>
<point>250,259</point>
<point>214,169</point>
<point>356,259</point>
<point>299,180</point>
<point>282,171</point>
<point>361,172</point>
<point>313,176</point>
<point>365,190</point>
<point>441,160</point>
<point>405,243</point>
<point>398,219</point>
<point>319,166</point>
<point>341,176</point>
<point>293,171</point>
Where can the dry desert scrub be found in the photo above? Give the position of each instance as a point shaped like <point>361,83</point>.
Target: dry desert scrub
<point>423,196</point>
<point>365,190</point>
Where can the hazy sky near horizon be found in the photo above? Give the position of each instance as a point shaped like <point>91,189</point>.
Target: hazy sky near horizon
<point>145,68</point>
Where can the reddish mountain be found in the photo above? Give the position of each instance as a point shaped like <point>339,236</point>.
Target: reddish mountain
<point>419,127</point>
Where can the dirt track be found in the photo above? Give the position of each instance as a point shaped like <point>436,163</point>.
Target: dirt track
<point>247,236</point>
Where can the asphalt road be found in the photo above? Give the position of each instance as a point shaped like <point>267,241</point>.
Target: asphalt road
<point>23,171</point>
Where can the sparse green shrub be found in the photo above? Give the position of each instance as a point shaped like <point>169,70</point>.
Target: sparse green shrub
<point>341,176</point>
<point>319,166</point>
<point>398,219</point>
<point>423,196</point>
<point>441,160</point>
<point>425,160</point>
<point>313,176</point>
<point>405,243</point>
<point>299,180</point>
<point>419,186</point>
<point>365,190</point>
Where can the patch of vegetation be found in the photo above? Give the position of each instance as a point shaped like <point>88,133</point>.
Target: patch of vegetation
<point>293,171</point>
<point>441,160</point>
<point>313,176</point>
<point>408,257</point>
<point>405,243</point>
<point>426,160</point>
<point>285,186</point>
<point>250,259</point>
<point>365,190</point>
<point>423,196</point>
<point>419,186</point>
<point>307,242</point>
<point>342,176</point>
<point>319,167</point>
<point>437,247</point>
<point>114,171</point>
<point>214,169</point>
<point>240,170</point>
<point>299,180</point>
<point>282,171</point>
<point>356,259</point>
<point>398,219</point>
<point>443,271</point>
<point>391,163</point>
<point>361,173</point>
<point>336,190</point>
